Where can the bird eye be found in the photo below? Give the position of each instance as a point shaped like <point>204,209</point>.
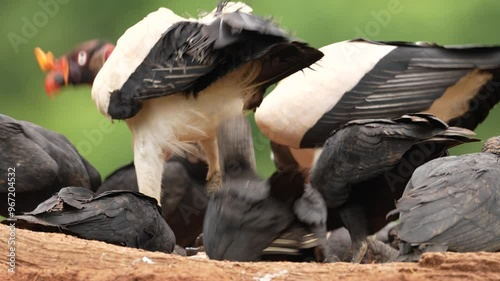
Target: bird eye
<point>82,58</point>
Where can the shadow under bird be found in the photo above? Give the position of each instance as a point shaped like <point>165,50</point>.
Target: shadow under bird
<point>248,214</point>
<point>173,80</point>
<point>362,79</point>
<point>118,217</point>
<point>39,163</point>
<point>452,204</point>
<point>366,164</point>
<point>183,196</point>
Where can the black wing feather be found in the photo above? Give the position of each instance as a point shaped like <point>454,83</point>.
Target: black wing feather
<point>364,149</point>
<point>119,217</point>
<point>407,80</point>
<point>190,56</point>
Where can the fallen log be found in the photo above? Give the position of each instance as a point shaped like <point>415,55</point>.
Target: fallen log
<point>54,256</point>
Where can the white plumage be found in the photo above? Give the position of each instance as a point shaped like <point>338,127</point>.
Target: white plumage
<point>130,51</point>
<point>189,121</point>
<point>361,79</point>
<point>301,99</point>
<point>173,80</point>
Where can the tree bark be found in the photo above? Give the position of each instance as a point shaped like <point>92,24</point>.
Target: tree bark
<point>55,256</point>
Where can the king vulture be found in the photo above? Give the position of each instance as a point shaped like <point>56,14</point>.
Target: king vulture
<point>366,164</point>
<point>452,203</point>
<point>173,80</point>
<point>183,184</point>
<point>78,66</point>
<point>361,79</point>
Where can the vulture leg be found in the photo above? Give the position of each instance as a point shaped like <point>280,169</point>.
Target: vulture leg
<point>356,223</point>
<point>149,163</point>
<point>211,150</point>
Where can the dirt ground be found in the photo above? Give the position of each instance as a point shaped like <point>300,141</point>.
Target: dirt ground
<point>53,256</point>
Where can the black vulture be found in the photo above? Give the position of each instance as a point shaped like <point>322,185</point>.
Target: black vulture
<point>362,79</point>
<point>174,80</point>
<point>40,162</point>
<point>249,213</point>
<point>118,217</point>
<point>452,203</point>
<point>184,197</point>
<point>366,164</point>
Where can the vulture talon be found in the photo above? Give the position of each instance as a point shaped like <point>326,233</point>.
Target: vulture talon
<point>214,183</point>
<point>359,251</point>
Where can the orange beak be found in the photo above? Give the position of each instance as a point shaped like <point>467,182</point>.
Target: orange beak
<point>58,71</point>
<point>45,60</point>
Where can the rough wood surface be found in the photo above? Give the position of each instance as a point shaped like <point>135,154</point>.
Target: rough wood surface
<point>54,256</point>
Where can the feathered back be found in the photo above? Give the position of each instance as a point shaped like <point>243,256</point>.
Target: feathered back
<point>364,149</point>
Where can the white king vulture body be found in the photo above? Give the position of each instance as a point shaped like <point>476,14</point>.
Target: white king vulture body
<point>173,80</point>
<point>361,79</point>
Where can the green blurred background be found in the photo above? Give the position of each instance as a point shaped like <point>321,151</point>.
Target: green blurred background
<point>319,22</point>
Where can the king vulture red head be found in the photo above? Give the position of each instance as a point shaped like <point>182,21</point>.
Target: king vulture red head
<point>361,79</point>
<point>79,66</point>
<point>173,80</point>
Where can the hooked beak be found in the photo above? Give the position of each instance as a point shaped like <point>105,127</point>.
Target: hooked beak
<point>45,60</point>
<point>58,71</point>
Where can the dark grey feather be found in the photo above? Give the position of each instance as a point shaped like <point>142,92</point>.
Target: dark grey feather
<point>119,217</point>
<point>190,56</point>
<point>44,162</point>
<point>453,202</point>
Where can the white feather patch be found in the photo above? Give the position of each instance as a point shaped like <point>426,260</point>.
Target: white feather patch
<point>135,44</point>
<point>230,7</point>
<point>299,100</point>
<point>131,49</point>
